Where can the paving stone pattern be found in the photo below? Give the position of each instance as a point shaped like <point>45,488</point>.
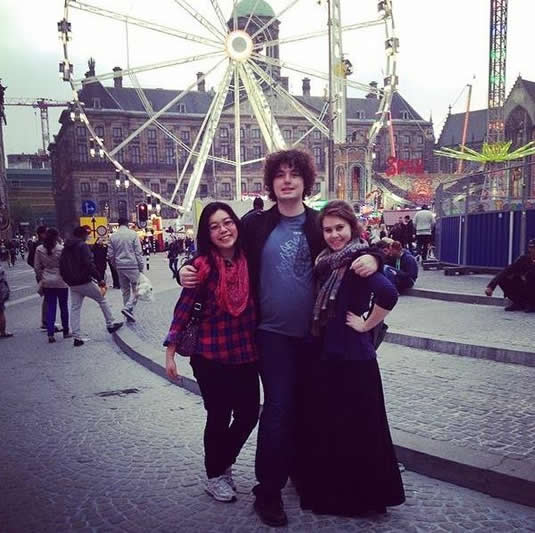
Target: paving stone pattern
<point>75,459</point>
<point>471,284</point>
<point>482,325</point>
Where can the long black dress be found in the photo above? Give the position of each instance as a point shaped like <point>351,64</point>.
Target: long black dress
<point>347,461</point>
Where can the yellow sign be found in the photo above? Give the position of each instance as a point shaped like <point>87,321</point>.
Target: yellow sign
<point>98,228</point>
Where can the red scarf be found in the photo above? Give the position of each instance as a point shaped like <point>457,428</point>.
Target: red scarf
<point>232,292</point>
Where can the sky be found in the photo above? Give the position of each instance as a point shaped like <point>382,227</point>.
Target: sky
<point>443,47</point>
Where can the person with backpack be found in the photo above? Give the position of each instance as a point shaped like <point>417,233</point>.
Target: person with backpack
<point>78,270</point>
<point>4,296</point>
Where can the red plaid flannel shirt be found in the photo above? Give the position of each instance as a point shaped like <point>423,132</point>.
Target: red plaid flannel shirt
<point>222,337</point>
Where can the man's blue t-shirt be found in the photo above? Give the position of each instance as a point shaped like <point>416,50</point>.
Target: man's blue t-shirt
<point>286,280</point>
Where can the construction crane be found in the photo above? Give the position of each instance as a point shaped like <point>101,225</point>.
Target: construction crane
<point>497,60</point>
<point>42,104</point>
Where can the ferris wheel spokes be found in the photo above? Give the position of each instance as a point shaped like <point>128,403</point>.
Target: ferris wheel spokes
<point>273,19</point>
<point>192,151</point>
<point>309,71</point>
<point>145,68</point>
<point>237,129</point>
<point>208,137</point>
<point>320,33</point>
<point>291,100</point>
<point>219,14</point>
<point>268,125</point>
<point>200,18</point>
<point>165,108</point>
<point>251,15</point>
<point>147,24</point>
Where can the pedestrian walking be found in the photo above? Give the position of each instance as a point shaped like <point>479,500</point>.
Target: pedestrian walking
<point>281,245</point>
<point>124,252</point>
<point>4,297</point>
<point>32,247</point>
<point>78,270</point>
<point>46,266</point>
<point>12,249</point>
<point>172,256</point>
<point>100,254</point>
<point>225,358</point>
<point>408,232</point>
<point>517,282</point>
<point>349,464</point>
<point>423,223</point>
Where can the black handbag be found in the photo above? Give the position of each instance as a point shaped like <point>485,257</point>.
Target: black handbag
<point>186,344</point>
<point>378,333</point>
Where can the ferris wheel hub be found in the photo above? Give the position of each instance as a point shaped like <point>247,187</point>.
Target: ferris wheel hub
<point>239,46</point>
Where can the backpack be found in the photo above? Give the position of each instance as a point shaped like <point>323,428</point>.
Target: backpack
<point>69,265</point>
<point>4,290</point>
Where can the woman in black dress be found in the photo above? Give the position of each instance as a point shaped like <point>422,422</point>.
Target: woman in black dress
<point>350,467</point>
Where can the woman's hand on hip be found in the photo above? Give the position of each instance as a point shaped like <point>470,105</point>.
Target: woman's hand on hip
<point>356,322</point>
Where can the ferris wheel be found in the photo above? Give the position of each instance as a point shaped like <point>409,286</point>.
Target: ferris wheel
<point>238,46</point>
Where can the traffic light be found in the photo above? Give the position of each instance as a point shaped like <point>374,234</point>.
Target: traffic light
<point>142,214</point>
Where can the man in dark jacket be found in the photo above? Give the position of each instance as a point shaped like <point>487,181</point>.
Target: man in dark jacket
<point>78,270</point>
<point>517,282</point>
<point>409,232</point>
<point>258,207</point>
<point>401,267</point>
<point>281,245</point>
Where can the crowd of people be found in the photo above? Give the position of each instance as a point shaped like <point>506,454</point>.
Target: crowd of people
<point>72,269</point>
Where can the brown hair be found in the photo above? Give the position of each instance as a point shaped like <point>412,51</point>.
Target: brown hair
<point>341,209</point>
<point>396,245</point>
<point>295,159</point>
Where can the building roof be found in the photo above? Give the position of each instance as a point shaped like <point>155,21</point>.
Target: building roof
<point>198,102</point>
<point>452,132</point>
<point>259,8</point>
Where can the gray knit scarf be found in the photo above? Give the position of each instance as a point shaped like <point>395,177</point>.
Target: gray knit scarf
<point>329,270</point>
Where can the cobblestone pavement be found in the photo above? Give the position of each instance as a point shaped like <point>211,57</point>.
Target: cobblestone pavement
<point>21,279</point>
<point>470,284</point>
<point>467,323</point>
<point>77,456</point>
<point>468,402</point>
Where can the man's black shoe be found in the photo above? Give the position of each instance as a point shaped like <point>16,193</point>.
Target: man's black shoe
<point>115,327</point>
<point>270,511</point>
<point>514,307</point>
<point>78,342</point>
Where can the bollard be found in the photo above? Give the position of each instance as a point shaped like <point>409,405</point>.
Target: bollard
<point>148,262</point>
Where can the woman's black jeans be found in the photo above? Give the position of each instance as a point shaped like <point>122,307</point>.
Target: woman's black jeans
<point>228,391</point>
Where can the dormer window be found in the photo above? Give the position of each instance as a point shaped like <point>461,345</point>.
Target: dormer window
<point>405,115</point>
<point>359,115</point>
<point>96,103</point>
<point>181,108</point>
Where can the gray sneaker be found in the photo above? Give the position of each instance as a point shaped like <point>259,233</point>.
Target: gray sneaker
<point>219,489</point>
<point>227,476</point>
<point>129,315</point>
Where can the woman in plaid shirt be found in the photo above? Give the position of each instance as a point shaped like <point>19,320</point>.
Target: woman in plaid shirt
<point>225,362</point>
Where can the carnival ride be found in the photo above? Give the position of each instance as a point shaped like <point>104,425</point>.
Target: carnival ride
<point>241,40</point>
